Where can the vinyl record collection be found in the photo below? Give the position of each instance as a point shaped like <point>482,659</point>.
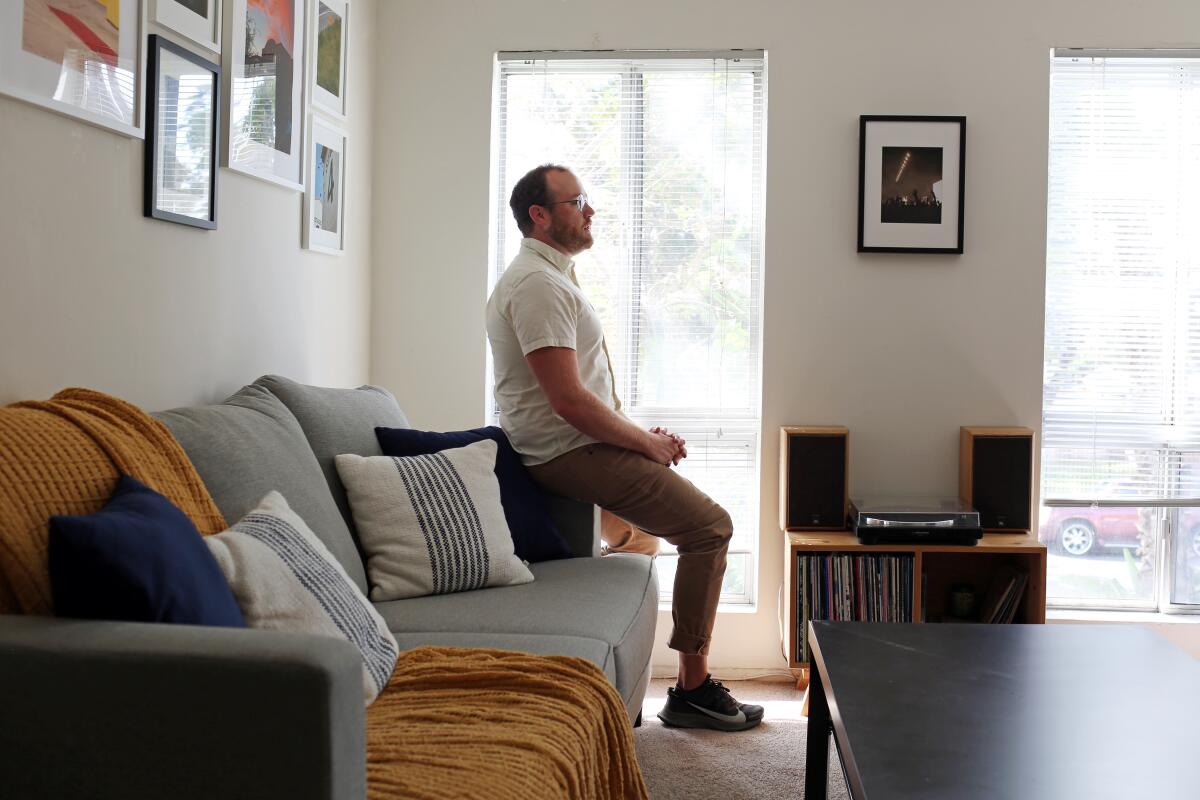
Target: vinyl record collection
<point>852,588</point>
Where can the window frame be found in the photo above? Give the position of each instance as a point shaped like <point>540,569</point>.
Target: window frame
<point>749,420</point>
<point>1163,456</point>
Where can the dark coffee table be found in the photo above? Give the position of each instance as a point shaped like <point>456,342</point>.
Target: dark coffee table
<point>996,712</point>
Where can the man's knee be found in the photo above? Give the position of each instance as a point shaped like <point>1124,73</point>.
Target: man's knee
<point>719,529</point>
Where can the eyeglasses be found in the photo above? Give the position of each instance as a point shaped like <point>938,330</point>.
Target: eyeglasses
<point>579,200</point>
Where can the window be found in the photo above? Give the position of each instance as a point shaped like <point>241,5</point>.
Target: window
<point>1121,403</point>
<point>669,149</point>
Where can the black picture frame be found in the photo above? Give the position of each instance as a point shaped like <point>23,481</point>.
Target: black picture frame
<point>923,219</point>
<point>162,117</point>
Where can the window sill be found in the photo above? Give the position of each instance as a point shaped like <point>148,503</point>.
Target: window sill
<point>1112,617</point>
<point>723,608</point>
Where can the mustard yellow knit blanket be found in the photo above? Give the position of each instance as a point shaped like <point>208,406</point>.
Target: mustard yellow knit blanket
<point>63,456</point>
<point>496,725</point>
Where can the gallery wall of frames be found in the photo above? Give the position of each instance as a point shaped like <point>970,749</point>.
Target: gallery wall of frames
<point>256,86</point>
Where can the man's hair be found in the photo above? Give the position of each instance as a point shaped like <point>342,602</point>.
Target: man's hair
<point>530,191</point>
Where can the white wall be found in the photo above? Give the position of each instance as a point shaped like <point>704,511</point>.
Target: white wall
<point>902,349</point>
<point>94,294</point>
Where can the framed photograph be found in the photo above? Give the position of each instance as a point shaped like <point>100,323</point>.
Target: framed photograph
<point>325,197</point>
<point>198,20</point>
<point>182,127</point>
<point>329,37</point>
<point>82,58</point>
<point>264,64</point>
<point>911,175</point>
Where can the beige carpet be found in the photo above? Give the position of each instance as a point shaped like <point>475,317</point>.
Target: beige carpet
<point>764,763</point>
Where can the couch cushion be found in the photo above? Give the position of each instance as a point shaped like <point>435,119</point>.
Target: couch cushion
<point>613,599</point>
<point>138,559</point>
<point>594,650</point>
<point>251,444</point>
<point>337,421</point>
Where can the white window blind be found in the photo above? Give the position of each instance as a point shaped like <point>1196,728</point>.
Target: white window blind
<point>1121,404</point>
<point>669,150</point>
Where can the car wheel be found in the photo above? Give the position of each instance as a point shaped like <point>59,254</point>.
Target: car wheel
<point>1076,538</point>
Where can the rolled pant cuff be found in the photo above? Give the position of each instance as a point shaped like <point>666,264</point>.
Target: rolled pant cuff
<point>689,644</point>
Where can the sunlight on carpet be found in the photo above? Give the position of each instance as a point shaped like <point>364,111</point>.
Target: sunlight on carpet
<point>764,763</point>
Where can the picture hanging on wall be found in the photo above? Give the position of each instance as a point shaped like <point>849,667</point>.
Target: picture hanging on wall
<point>264,62</point>
<point>325,197</point>
<point>911,177</point>
<point>82,58</point>
<point>328,49</point>
<point>182,128</point>
<point>198,20</point>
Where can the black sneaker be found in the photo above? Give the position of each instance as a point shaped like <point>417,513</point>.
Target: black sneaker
<point>709,705</point>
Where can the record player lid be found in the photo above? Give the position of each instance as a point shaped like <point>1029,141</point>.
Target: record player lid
<point>924,505</point>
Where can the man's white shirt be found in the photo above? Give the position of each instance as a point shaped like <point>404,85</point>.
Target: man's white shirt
<point>538,303</point>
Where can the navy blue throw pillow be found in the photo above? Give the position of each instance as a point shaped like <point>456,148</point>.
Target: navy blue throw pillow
<point>534,536</point>
<point>138,559</point>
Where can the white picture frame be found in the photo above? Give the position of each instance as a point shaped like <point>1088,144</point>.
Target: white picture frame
<point>324,223</point>
<point>184,17</point>
<point>81,58</point>
<point>328,56</point>
<point>264,91</point>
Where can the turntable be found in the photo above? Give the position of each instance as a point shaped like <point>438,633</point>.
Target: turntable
<point>892,520</point>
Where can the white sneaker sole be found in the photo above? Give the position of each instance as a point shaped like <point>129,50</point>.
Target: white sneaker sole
<point>700,721</point>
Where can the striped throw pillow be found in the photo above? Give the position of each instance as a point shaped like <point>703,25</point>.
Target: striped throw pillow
<point>431,524</point>
<point>285,579</point>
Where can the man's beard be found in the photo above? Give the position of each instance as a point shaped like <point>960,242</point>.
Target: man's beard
<point>574,239</point>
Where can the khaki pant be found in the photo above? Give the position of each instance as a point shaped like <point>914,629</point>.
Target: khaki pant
<point>661,502</point>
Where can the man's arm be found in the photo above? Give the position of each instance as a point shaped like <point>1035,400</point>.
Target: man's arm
<point>557,372</point>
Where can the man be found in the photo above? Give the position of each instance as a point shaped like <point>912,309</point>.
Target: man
<point>554,386</point>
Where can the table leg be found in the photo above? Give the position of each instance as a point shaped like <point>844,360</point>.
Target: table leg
<point>816,760</point>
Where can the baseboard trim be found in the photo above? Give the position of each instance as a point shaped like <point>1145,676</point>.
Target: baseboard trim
<point>781,674</point>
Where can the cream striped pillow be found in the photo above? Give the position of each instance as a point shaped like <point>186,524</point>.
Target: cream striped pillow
<point>431,524</point>
<point>285,579</point>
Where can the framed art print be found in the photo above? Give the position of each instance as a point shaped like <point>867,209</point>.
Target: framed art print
<point>82,58</point>
<point>325,195</point>
<point>198,20</point>
<point>264,66</point>
<point>329,37</point>
<point>911,177</point>
<point>182,127</point>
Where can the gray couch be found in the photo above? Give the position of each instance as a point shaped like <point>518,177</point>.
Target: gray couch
<point>108,709</point>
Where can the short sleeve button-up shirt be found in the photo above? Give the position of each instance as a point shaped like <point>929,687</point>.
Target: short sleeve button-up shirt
<point>538,303</point>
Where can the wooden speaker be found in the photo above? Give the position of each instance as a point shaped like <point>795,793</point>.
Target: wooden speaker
<point>995,476</point>
<point>814,471</point>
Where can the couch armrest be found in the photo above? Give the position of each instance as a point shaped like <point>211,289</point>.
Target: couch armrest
<point>131,710</point>
<point>578,522</point>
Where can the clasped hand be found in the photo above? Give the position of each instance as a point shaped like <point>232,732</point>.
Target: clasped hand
<point>673,448</point>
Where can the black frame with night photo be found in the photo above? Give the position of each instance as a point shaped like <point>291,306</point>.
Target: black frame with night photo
<point>911,180</point>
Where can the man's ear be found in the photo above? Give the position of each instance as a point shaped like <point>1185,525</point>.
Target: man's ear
<point>538,214</point>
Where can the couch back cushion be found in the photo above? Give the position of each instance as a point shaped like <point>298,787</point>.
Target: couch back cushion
<point>250,445</point>
<point>338,421</point>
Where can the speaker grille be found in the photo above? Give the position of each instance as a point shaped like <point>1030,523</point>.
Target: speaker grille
<point>816,475</point>
<point>1002,472</point>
